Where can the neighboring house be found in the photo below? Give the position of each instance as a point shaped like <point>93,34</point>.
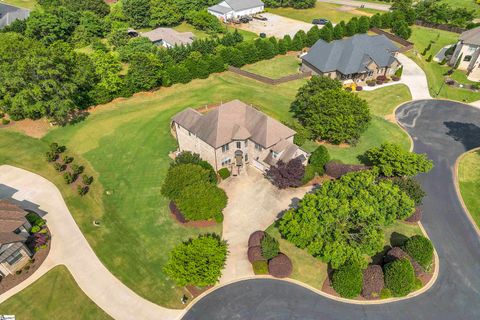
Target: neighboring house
<point>8,14</point>
<point>233,9</point>
<point>168,37</point>
<point>14,227</point>
<point>468,51</point>
<point>234,135</point>
<point>358,58</point>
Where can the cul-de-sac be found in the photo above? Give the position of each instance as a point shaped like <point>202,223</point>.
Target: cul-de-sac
<point>240,159</point>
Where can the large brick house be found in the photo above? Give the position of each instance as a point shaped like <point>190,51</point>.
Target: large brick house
<point>14,227</point>
<point>358,58</point>
<point>234,135</point>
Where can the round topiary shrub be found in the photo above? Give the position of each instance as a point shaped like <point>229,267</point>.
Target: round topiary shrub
<point>347,280</point>
<point>270,247</point>
<point>280,266</point>
<point>255,254</point>
<point>373,282</point>
<point>359,88</point>
<point>201,201</point>
<point>400,277</point>
<point>260,267</point>
<point>318,159</point>
<point>397,253</point>
<point>224,173</point>
<point>255,239</point>
<point>420,249</point>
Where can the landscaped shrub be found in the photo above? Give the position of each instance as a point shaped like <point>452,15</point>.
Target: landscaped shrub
<point>260,267</point>
<point>37,241</point>
<point>197,262</point>
<point>59,167</point>
<point>34,219</point>
<point>359,88</point>
<point>280,266</point>
<point>395,78</point>
<point>400,277</point>
<point>309,174</point>
<point>69,177</point>
<point>429,59</point>
<point>347,280</point>
<point>336,169</point>
<point>373,282</point>
<point>382,78</point>
<point>270,247</point>
<point>67,159</point>
<point>76,169</point>
<point>420,249</point>
<point>224,173</point>
<point>82,190</point>
<point>255,254</point>
<point>181,176</point>
<point>51,156</point>
<point>398,253</point>
<point>416,216</point>
<point>371,83</point>
<point>379,82</point>
<point>255,239</point>
<point>349,89</point>
<point>87,180</point>
<point>186,157</point>
<point>392,160</point>
<point>218,217</point>
<point>318,159</point>
<point>5,121</point>
<point>411,187</point>
<point>284,175</point>
<point>56,148</point>
<point>385,293</point>
<point>201,201</point>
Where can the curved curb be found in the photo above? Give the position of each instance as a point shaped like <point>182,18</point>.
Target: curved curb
<point>457,187</point>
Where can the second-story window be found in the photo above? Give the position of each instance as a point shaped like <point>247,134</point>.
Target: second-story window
<point>246,143</point>
<point>239,144</point>
<point>225,148</point>
<point>258,147</point>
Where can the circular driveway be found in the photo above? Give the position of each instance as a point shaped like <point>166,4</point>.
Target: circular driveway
<point>444,130</point>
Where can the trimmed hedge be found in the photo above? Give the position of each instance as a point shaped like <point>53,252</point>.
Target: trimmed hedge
<point>318,159</point>
<point>270,247</point>
<point>260,267</point>
<point>420,249</point>
<point>347,280</point>
<point>202,201</point>
<point>224,173</point>
<point>400,277</point>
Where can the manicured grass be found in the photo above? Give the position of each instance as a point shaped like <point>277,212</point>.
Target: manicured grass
<point>306,268</point>
<point>467,4</point>
<point>395,232</point>
<point>275,68</point>
<point>321,10</point>
<point>469,180</point>
<point>27,4</point>
<point>382,103</point>
<point>421,37</point>
<point>185,27</point>
<point>54,296</point>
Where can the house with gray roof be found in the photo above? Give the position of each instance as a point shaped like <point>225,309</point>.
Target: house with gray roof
<point>167,37</point>
<point>467,53</point>
<point>9,14</point>
<point>358,58</point>
<point>233,9</point>
<point>234,135</point>
<point>14,227</point>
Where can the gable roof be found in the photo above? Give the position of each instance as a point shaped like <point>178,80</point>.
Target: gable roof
<point>239,5</point>
<point>9,14</point>
<point>351,55</point>
<point>471,36</point>
<point>220,9</point>
<point>11,217</point>
<point>233,120</point>
<point>169,35</point>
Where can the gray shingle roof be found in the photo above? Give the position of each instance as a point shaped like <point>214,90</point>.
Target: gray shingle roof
<point>351,55</point>
<point>471,36</point>
<point>233,120</point>
<point>171,36</point>
<point>9,14</point>
<point>239,5</point>
<point>220,9</point>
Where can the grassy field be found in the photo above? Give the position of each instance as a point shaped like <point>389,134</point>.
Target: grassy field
<point>185,27</point>
<point>328,11</point>
<point>27,4</point>
<point>421,37</point>
<point>125,145</point>
<point>54,296</point>
<point>283,66</point>
<point>469,180</point>
<point>467,4</point>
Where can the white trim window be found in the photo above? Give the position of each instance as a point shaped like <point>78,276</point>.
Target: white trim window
<point>239,144</point>
<point>226,162</point>
<point>258,147</point>
<point>225,147</point>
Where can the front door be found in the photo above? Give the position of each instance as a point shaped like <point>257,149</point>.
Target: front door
<point>239,158</point>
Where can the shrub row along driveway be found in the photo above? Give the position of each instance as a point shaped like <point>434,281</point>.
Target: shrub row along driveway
<point>444,130</point>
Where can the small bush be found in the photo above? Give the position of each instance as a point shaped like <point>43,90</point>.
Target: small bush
<point>395,78</point>
<point>429,59</point>
<point>378,82</point>
<point>51,156</point>
<point>385,293</point>
<point>418,284</point>
<point>443,62</point>
<point>82,190</point>
<point>260,267</point>
<point>218,217</point>
<point>255,239</point>
<point>270,247</point>
<point>347,280</point>
<point>34,219</point>
<point>87,180</point>
<point>309,173</point>
<point>319,158</point>
<point>59,167</point>
<point>400,277</point>
<point>280,266</point>
<point>5,121</point>
<point>411,187</point>
<point>34,229</point>
<point>348,89</point>
<point>420,249</point>
<point>255,254</point>
<point>224,173</point>
<point>68,177</point>
<point>76,169</point>
<point>67,159</point>
<point>371,83</point>
<point>54,147</point>
<point>359,88</point>
<point>382,78</point>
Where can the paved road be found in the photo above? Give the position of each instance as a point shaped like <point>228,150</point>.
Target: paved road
<point>69,247</point>
<point>444,130</point>
<point>358,4</point>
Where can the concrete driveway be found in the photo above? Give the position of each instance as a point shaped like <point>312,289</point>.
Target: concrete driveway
<point>70,248</point>
<point>276,26</point>
<point>444,130</point>
<point>253,204</point>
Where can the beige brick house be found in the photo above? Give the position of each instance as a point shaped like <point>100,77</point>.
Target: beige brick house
<point>14,227</point>
<point>234,135</point>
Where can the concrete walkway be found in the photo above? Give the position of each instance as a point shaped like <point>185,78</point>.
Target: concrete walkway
<point>358,4</point>
<point>412,76</point>
<point>70,248</point>
<point>253,204</point>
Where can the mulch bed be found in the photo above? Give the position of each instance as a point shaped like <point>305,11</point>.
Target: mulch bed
<point>327,288</point>
<point>180,219</point>
<point>196,291</point>
<point>12,280</point>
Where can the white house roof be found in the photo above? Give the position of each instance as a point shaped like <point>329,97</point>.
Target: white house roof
<point>235,5</point>
<point>220,9</point>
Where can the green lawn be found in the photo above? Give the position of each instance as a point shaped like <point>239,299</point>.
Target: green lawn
<point>467,4</point>
<point>28,4</point>
<point>185,27</point>
<point>469,180</point>
<point>421,37</point>
<point>275,68</point>
<point>54,296</point>
<point>321,10</point>
<point>382,103</point>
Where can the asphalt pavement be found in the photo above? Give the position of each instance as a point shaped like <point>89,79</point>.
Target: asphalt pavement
<point>443,130</point>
